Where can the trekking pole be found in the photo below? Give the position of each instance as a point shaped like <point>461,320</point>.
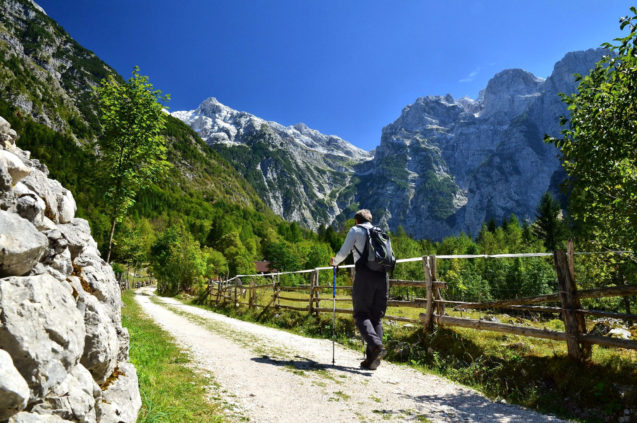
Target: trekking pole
<point>333,312</point>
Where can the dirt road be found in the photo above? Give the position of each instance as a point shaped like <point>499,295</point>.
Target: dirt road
<point>269,375</point>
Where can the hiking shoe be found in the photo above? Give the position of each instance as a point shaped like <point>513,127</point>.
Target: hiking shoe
<point>365,365</point>
<point>376,356</point>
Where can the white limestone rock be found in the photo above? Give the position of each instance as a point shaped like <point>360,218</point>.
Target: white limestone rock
<point>14,391</point>
<point>21,245</point>
<point>7,135</point>
<point>98,276</point>
<point>29,205</point>
<point>66,206</point>
<point>60,205</point>
<point>25,417</point>
<point>101,345</point>
<point>121,400</point>
<point>16,167</point>
<point>74,399</point>
<point>123,338</point>
<point>42,329</point>
<point>5,178</point>
<point>78,235</point>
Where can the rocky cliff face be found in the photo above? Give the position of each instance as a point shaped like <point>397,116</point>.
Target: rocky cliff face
<point>63,351</point>
<point>445,166</point>
<point>298,172</point>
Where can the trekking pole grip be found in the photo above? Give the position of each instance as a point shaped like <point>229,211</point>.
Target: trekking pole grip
<point>334,283</point>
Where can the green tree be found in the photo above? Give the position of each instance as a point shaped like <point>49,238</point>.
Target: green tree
<point>132,151</point>
<point>239,259</point>
<point>599,147</point>
<point>549,227</point>
<point>215,261</point>
<point>177,261</point>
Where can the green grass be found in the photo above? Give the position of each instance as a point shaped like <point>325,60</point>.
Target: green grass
<point>172,392</point>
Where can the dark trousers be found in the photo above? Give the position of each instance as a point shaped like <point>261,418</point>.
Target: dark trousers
<point>369,295</point>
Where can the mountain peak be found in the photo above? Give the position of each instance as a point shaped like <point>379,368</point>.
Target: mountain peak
<point>510,92</point>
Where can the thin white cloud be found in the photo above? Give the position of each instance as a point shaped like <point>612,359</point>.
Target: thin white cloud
<point>471,76</point>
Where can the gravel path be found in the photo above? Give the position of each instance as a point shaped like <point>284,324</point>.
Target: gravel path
<point>268,375</point>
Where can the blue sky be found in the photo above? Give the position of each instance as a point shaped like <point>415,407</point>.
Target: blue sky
<point>344,67</point>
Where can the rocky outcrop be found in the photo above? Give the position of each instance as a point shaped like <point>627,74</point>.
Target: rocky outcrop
<point>63,350</point>
<point>14,391</point>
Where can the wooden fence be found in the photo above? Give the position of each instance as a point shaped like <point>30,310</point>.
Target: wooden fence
<point>578,341</point>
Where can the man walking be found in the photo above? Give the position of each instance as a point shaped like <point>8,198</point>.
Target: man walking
<point>370,291</point>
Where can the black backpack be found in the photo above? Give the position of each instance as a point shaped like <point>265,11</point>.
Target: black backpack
<point>380,257</point>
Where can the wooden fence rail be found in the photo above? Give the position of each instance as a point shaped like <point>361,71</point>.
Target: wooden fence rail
<point>578,341</point>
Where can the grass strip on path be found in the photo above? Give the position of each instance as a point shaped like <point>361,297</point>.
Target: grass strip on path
<point>171,391</point>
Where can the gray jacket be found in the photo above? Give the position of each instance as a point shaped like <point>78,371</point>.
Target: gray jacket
<point>355,240</point>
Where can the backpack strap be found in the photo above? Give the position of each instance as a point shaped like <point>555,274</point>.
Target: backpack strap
<point>362,255</point>
<point>366,239</point>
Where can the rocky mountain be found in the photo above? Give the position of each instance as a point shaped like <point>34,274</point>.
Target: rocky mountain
<point>63,350</point>
<point>299,173</point>
<point>448,165</point>
<point>445,166</point>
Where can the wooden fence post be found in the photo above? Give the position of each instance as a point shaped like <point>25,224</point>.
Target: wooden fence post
<point>440,307</point>
<point>574,322</point>
<point>275,295</point>
<point>236,284</point>
<point>312,285</point>
<point>251,295</point>
<point>317,292</point>
<point>428,322</point>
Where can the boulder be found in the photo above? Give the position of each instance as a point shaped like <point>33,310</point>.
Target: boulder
<point>78,236</point>
<point>7,135</point>
<point>73,399</point>
<point>101,345</point>
<point>42,329</point>
<point>16,167</point>
<point>14,391</point>
<point>36,418</point>
<point>62,262</point>
<point>57,259</point>
<point>121,400</point>
<point>66,206</point>
<point>98,278</point>
<point>60,205</point>
<point>620,333</point>
<point>5,178</point>
<point>21,245</point>
<point>29,205</point>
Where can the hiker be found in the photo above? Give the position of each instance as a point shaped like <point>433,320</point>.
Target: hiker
<point>370,291</point>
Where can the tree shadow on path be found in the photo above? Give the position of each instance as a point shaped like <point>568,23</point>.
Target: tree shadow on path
<point>470,406</point>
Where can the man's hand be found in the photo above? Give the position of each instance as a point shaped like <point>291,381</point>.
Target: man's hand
<point>332,261</point>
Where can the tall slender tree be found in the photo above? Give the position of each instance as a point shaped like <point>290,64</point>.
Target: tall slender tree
<point>132,150</point>
<point>548,226</point>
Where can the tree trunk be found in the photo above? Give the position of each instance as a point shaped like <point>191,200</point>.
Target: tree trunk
<point>110,240</point>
